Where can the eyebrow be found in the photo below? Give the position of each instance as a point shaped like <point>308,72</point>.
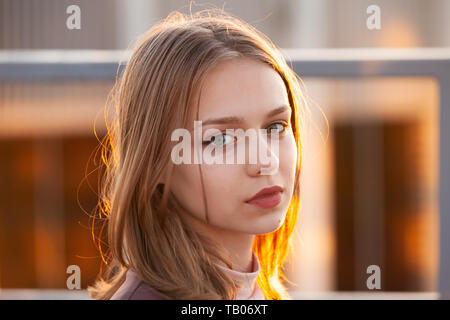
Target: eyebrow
<point>237,120</point>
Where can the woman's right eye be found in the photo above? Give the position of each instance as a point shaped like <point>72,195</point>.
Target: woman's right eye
<point>219,140</point>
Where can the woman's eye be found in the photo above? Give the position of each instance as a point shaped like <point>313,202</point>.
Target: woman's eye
<point>219,140</point>
<point>278,127</point>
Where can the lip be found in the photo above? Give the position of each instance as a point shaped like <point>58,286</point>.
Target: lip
<point>267,198</point>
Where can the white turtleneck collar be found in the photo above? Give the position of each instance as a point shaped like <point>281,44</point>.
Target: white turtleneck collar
<point>250,289</point>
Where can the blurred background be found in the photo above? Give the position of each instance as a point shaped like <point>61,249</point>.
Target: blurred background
<point>370,180</point>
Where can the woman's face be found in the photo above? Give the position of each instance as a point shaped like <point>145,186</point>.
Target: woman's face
<point>249,91</point>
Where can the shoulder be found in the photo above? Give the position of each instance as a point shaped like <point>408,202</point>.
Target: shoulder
<point>134,288</point>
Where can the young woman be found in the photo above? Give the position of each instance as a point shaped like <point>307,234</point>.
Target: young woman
<point>200,230</point>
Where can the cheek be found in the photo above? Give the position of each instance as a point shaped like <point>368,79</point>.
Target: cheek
<point>221,185</point>
<point>288,157</point>
<point>221,180</point>
<point>186,188</point>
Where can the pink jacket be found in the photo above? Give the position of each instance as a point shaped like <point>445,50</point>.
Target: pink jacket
<point>134,289</point>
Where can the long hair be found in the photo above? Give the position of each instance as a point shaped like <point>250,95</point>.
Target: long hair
<point>151,99</point>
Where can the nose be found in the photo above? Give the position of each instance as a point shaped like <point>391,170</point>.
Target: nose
<point>267,158</point>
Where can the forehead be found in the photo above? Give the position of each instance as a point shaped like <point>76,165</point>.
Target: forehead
<point>241,87</point>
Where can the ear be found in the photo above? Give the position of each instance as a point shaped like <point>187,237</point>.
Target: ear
<point>165,175</point>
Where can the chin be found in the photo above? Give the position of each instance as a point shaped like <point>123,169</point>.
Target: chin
<point>268,226</point>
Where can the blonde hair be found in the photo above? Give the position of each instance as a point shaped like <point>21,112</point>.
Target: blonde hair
<point>145,231</point>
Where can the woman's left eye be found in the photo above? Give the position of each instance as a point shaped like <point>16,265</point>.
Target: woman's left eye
<point>280,127</point>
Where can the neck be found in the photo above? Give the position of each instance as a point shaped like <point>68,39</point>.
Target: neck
<point>237,244</point>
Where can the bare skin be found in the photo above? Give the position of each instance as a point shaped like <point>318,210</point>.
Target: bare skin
<point>249,90</point>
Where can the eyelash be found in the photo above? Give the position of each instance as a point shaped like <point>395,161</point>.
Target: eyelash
<point>283,123</point>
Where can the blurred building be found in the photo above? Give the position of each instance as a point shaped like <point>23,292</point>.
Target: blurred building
<point>116,24</point>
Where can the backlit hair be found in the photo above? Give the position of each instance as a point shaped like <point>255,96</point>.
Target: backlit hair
<point>152,98</point>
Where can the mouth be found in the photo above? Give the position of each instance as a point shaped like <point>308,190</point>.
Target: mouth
<point>267,197</point>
